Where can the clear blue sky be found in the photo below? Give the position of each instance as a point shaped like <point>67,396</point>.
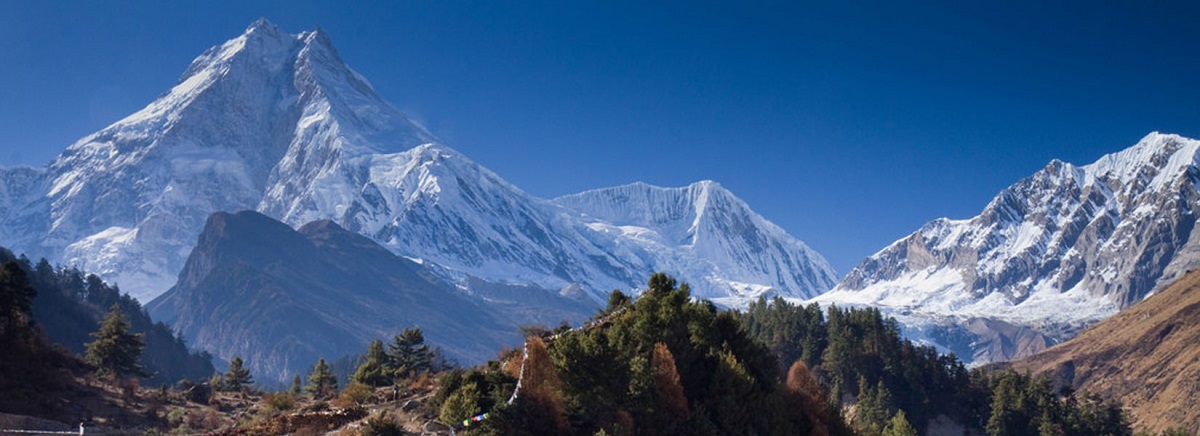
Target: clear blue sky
<point>847,125</point>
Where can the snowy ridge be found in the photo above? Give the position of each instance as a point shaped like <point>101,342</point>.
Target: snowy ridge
<point>730,253</point>
<point>278,123</point>
<point>1061,249</point>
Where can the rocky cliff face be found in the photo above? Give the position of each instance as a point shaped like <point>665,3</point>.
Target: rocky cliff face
<point>1059,250</point>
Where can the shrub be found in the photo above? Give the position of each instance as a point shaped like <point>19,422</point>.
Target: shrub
<point>382,425</point>
<point>274,403</point>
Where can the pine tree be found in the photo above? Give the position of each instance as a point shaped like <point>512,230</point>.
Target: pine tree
<point>874,407</point>
<point>408,353</point>
<point>733,391</point>
<point>238,376</point>
<point>1005,394</point>
<point>217,382</point>
<point>115,351</point>
<point>372,371</point>
<point>321,382</point>
<point>617,299</point>
<point>899,426</point>
<point>296,386</point>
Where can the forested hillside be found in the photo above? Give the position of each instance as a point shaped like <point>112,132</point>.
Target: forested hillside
<point>666,364</point>
<point>663,364</point>
<point>872,373</point>
<point>68,306</point>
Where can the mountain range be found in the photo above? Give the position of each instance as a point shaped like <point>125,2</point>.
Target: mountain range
<point>272,133</point>
<point>1051,254</point>
<point>277,123</point>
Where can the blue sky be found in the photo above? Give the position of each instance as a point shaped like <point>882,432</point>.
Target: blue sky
<point>849,124</point>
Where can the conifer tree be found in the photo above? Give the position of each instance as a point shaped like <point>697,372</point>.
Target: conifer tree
<point>238,375</point>
<point>16,299</point>
<point>296,386</point>
<point>733,390</point>
<point>373,371</point>
<point>460,405</point>
<point>408,353</point>
<point>217,382</point>
<point>874,407</point>
<point>321,382</point>
<point>617,299</point>
<point>115,351</point>
<point>899,426</point>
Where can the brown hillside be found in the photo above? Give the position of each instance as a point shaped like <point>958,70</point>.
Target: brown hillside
<point>1148,356</point>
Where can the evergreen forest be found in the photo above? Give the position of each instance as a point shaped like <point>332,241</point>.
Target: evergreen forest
<point>665,363</point>
<point>68,307</point>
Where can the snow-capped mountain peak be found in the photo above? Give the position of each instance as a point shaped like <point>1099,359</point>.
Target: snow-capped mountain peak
<point>1063,248</point>
<point>278,123</point>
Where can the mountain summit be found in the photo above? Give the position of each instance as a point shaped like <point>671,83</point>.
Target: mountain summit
<point>278,123</point>
<point>1061,249</point>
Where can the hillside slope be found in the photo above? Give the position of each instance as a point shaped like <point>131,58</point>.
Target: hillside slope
<point>1146,356</point>
<point>281,298</point>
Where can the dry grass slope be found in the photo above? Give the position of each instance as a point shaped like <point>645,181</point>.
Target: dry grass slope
<point>1148,356</point>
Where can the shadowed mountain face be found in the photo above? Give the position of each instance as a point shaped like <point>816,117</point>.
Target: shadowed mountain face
<point>1146,356</point>
<point>1057,251</point>
<point>281,298</point>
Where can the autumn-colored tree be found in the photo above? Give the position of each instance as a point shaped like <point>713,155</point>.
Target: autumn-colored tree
<point>670,405</point>
<point>806,399</point>
<point>541,390</point>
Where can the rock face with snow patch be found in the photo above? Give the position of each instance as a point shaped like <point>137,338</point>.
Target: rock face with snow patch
<point>1059,250</point>
<point>278,123</point>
